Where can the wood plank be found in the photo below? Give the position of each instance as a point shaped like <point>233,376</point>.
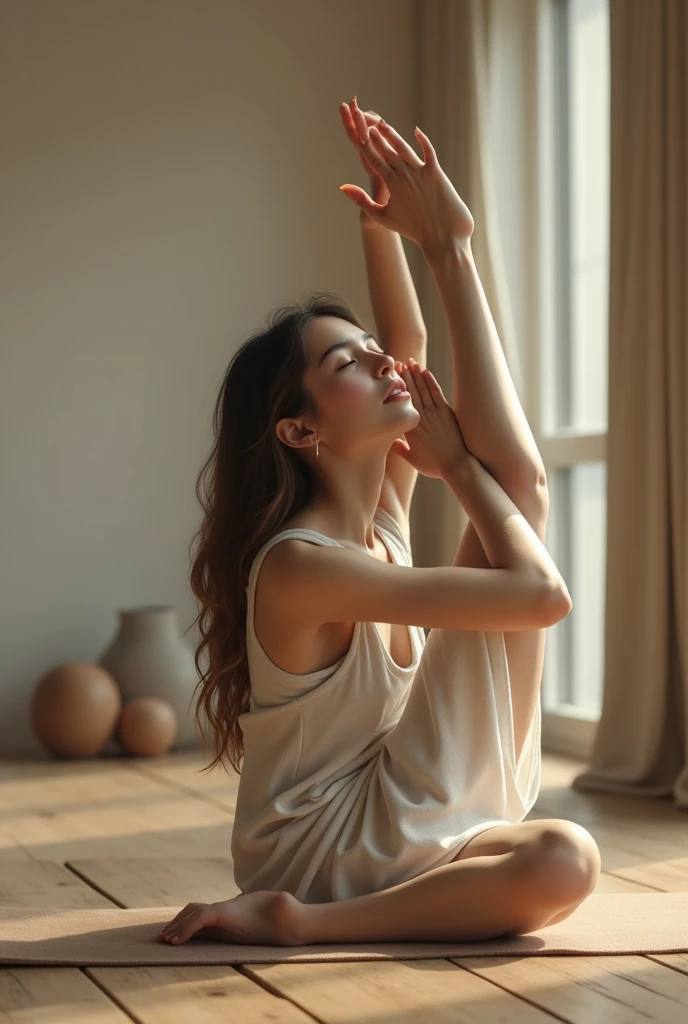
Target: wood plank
<point>51,787</point>
<point>613,883</point>
<point>581,989</point>
<point>558,798</point>
<point>165,881</point>
<point>396,990</point>
<point>195,992</point>
<point>58,784</point>
<point>36,883</point>
<point>650,856</point>
<point>10,850</point>
<point>643,857</point>
<point>662,866</point>
<point>679,961</point>
<point>196,995</point>
<point>184,772</point>
<point>117,812</point>
<point>54,995</point>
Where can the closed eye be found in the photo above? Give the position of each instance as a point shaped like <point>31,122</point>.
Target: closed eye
<point>381,350</point>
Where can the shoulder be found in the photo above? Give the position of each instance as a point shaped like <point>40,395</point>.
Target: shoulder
<point>289,563</point>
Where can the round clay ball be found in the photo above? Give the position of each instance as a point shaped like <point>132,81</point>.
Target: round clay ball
<point>74,709</point>
<point>147,726</point>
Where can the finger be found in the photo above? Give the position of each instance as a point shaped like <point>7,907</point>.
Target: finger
<point>380,165</point>
<point>348,122</point>
<point>353,135</point>
<point>411,385</point>
<point>367,166</point>
<point>375,210</point>
<point>400,146</point>
<point>427,147</point>
<point>434,390</point>
<point>421,385</point>
<point>400,448</point>
<point>371,117</point>
<point>359,121</point>
<point>389,154</point>
<point>173,926</point>
<point>188,909</point>
<point>202,918</point>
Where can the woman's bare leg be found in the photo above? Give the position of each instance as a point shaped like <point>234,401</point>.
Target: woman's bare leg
<point>486,403</point>
<point>462,901</point>
<point>496,431</point>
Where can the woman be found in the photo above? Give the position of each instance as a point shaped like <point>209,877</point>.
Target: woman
<point>376,762</point>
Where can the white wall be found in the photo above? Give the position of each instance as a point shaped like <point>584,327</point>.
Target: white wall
<point>169,175</point>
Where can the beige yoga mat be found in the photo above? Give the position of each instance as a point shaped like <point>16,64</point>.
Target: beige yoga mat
<point>605,923</point>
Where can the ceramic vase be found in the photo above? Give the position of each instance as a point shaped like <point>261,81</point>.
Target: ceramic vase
<point>148,658</point>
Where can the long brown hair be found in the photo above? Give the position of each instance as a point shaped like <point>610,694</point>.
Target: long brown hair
<point>248,486</point>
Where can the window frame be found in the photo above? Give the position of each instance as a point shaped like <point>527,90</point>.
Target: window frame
<point>567,727</point>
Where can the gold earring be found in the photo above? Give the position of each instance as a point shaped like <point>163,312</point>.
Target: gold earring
<point>316,447</point>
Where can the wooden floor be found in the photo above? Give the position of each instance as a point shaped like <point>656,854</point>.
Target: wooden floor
<point>125,832</point>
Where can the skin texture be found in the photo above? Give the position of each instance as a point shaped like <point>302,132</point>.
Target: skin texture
<point>354,427</point>
<point>542,875</point>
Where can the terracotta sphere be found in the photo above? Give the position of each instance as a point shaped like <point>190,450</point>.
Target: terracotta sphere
<point>147,725</point>
<point>74,709</point>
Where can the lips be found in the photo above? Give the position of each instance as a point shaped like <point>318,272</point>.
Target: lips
<point>396,385</point>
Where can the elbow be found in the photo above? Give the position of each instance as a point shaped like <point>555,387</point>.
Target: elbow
<point>558,603</point>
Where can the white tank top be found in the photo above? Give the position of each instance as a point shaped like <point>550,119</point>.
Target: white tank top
<point>307,736</point>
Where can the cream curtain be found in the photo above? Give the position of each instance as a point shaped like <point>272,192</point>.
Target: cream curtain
<point>454,38</point>
<point>640,745</point>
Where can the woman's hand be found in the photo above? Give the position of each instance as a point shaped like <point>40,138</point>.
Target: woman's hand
<point>357,123</point>
<point>436,444</point>
<point>423,205</point>
<point>263,917</point>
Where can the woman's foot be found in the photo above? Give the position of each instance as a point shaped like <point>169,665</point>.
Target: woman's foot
<point>255,918</point>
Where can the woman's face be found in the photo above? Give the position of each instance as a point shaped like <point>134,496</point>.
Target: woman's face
<point>349,376</point>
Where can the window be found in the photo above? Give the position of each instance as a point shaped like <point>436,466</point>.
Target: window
<point>570,424</point>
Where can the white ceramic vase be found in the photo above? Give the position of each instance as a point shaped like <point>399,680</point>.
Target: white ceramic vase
<point>148,658</point>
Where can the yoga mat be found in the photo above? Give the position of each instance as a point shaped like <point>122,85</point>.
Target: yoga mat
<point>605,923</point>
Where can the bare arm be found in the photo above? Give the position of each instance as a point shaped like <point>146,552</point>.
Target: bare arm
<point>506,535</point>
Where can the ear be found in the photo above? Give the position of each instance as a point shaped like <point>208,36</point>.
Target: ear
<point>295,434</point>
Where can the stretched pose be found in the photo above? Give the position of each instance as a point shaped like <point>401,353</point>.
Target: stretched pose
<point>385,776</point>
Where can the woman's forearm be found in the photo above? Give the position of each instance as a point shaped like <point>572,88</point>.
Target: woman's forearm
<point>507,537</point>
<point>393,297</point>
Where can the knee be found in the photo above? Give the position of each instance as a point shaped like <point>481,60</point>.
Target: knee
<point>562,863</point>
